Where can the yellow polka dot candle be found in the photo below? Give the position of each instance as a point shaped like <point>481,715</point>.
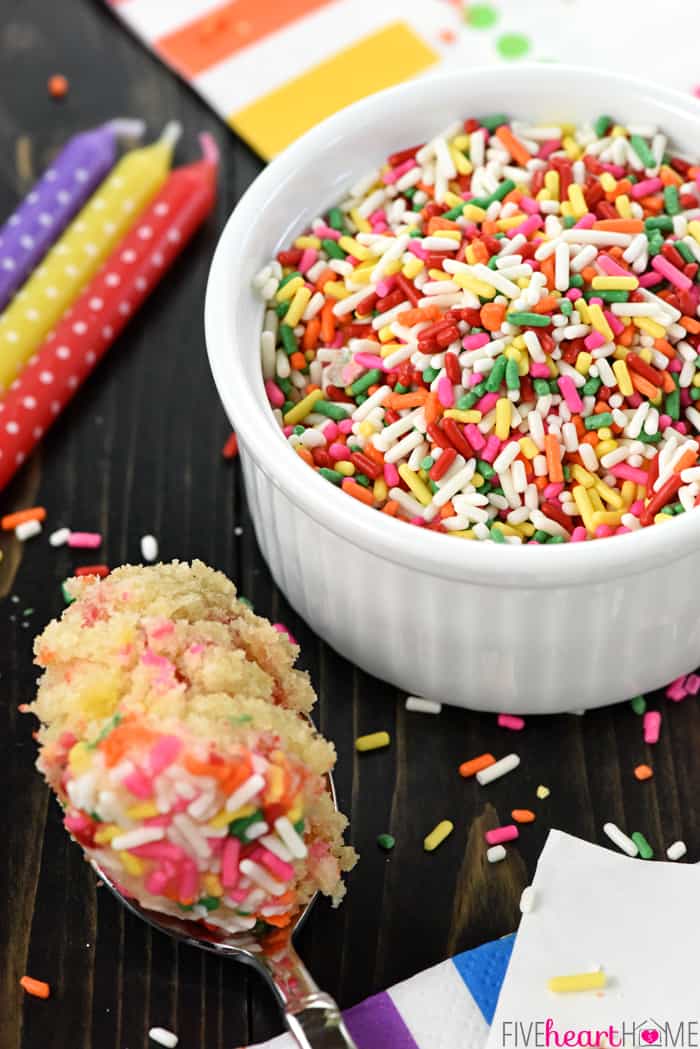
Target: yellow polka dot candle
<point>79,253</point>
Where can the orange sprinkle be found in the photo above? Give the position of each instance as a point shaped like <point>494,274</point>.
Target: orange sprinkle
<point>304,454</point>
<point>58,85</point>
<point>514,146</point>
<point>688,459</point>
<point>406,400</point>
<point>297,360</point>
<point>625,338</point>
<point>420,313</point>
<point>311,333</point>
<point>523,815</point>
<point>391,508</point>
<point>433,408</point>
<point>547,268</point>
<point>328,322</point>
<point>10,521</point>
<point>363,495</point>
<point>470,768</point>
<point>691,324</point>
<point>546,304</point>
<point>230,449</point>
<point>37,988</point>
<point>323,278</point>
<point>669,177</point>
<point>491,315</point>
<point>480,250</point>
<point>620,225</point>
<point>644,387</point>
<point>438,222</point>
<point>553,455</point>
<point>643,772</point>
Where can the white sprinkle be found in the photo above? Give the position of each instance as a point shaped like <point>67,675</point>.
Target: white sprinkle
<point>163,1037</point>
<point>149,547</point>
<point>252,786</point>
<point>140,836</point>
<point>27,530</point>
<point>291,839</point>
<point>676,851</point>
<point>422,706</point>
<point>527,900</point>
<point>620,839</point>
<point>272,842</point>
<point>495,854</point>
<point>260,876</point>
<point>500,768</point>
<point>59,537</point>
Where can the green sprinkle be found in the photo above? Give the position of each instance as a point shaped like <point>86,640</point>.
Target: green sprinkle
<point>649,438</point>
<point>602,125</point>
<point>645,850</point>
<point>671,201</point>
<point>541,536</point>
<point>512,375</point>
<point>596,422</point>
<point>331,409</point>
<point>281,308</point>
<point>238,828</point>
<point>452,214</point>
<point>427,463</point>
<point>336,220</point>
<point>400,388</point>
<point>386,841</point>
<point>242,719</point>
<point>695,393</point>
<point>365,381</point>
<point>285,386</point>
<point>642,150</point>
<point>639,705</point>
<point>569,221</point>
<point>433,487</point>
<point>497,535</point>
<point>525,319</point>
<point>607,296</point>
<point>299,826</point>
<point>566,307</point>
<point>684,251</point>
<point>299,430</point>
<point>575,280</point>
<point>513,45</point>
<point>501,191</point>
<point>96,817</point>
<point>554,540</point>
<point>210,902</point>
<point>28,612</point>
<point>660,222</point>
<point>185,906</point>
<point>66,596</point>
<point>289,339</point>
<point>479,389</point>
<point>672,404</point>
<point>481,16</point>
<point>362,479</point>
<point>485,469</point>
<point>332,248</point>
<point>541,387</point>
<point>331,475</point>
<point>109,727</point>
<point>497,374</point>
<point>467,401</point>
<point>493,121</point>
<point>591,387</point>
<point>429,374</point>
<point>245,601</point>
<point>290,276</point>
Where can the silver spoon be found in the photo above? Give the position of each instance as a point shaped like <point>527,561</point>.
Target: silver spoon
<point>312,1016</point>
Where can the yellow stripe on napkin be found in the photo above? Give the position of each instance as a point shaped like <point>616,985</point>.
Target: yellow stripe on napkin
<point>386,57</point>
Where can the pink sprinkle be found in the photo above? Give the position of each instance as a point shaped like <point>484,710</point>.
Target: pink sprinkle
<point>281,870</point>
<point>475,342</point>
<point>539,370</point>
<point>553,490</point>
<point>445,392</point>
<point>585,222</point>
<point>491,449</point>
<point>345,426</point>
<point>594,340</point>
<point>549,146</point>
<point>158,821</point>
<point>326,232</point>
<point>579,534</point>
<point>629,473</point>
<point>139,784</point>
<point>529,206</point>
<point>417,249</point>
<point>330,431</point>
<point>635,400</point>
<point>474,379</point>
<point>664,421</point>
<point>378,216</point>
<point>612,268</point>
<point>637,507</point>
<point>238,895</point>
<point>693,684</point>
<point>159,850</point>
<point>339,452</point>
<point>674,366</point>
<point>189,880</point>
<point>287,430</point>
<point>216,844</point>
<point>417,521</point>
<point>648,280</point>
<point>195,649</point>
<point>337,341</point>
<point>352,370</point>
<point>487,402</point>
<point>622,530</point>
<point>595,300</point>
<point>308,258</point>
<point>76,822</point>
<point>574,294</point>
<point>677,692</point>
<point>646,186</point>
<point>602,531</point>
<point>393,174</point>
<point>85,540</point>
<point>671,273</point>
<point>163,753</point>
<point>570,393</point>
<point>282,629</point>
<point>502,834</point>
<point>391,475</point>
<point>512,722</point>
<point>157,881</point>
<point>614,322</point>
<point>161,629</point>
<point>475,436</point>
<point>615,170</point>
<point>652,726</point>
<point>534,222</point>
<point>229,863</point>
<point>370,360</point>
<point>385,285</point>
<point>274,394</point>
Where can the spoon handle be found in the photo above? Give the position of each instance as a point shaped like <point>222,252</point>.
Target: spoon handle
<point>312,1016</point>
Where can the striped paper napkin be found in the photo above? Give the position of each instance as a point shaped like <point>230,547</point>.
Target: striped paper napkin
<point>274,68</point>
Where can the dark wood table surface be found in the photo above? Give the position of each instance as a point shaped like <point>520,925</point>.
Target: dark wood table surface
<point>139,451</point>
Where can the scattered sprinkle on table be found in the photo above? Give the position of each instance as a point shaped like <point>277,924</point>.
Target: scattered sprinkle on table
<point>638,704</point>
<point>386,841</point>
<point>28,529</point>
<point>542,792</point>
<point>34,513</point>
<point>643,772</point>
<point>643,847</point>
<point>511,722</point>
<point>474,765</point>
<point>594,981</point>
<point>373,741</point>
<point>499,835</point>
<point>500,768</point>
<point>619,838</point>
<point>422,706</point>
<point>652,726</point>
<point>523,815</point>
<point>85,540</point>
<point>494,336</point>
<point>36,988</point>
<point>676,851</point>
<point>58,85</point>
<point>60,537</point>
<point>98,570</point>
<point>149,548</point>
<point>438,835</point>
<point>495,854</point>
<point>230,449</point>
<point>163,1037</point>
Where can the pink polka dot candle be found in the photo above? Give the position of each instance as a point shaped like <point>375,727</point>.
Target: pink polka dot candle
<point>86,331</point>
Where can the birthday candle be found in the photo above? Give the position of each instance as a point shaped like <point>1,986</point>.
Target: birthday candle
<point>78,254</point>
<point>52,202</point>
<point>84,334</point>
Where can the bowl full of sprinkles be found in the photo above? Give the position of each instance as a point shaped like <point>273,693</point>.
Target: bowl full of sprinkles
<point>467,308</point>
<point>494,334</point>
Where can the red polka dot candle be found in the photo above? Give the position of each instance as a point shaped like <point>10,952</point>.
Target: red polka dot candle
<point>89,328</point>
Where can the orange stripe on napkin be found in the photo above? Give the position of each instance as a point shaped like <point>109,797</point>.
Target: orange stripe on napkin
<point>227,29</point>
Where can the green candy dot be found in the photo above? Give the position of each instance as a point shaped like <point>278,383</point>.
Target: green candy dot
<point>481,16</point>
<point>512,45</point>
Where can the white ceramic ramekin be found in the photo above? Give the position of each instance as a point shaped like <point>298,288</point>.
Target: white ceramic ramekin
<point>521,629</point>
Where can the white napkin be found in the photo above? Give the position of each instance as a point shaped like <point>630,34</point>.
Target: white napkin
<point>636,919</point>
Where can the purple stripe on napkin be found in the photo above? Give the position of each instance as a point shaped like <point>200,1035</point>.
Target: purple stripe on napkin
<point>376,1024</point>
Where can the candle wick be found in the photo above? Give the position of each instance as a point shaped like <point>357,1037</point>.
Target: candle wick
<point>209,147</point>
<point>127,127</point>
<point>171,133</point>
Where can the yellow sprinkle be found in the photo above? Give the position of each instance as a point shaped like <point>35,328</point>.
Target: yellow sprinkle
<point>551,183</point>
<point>347,469</point>
<point>573,150</point>
<point>290,289</point>
<point>461,141</point>
<point>297,307</point>
<point>527,528</point>
<point>143,811</point>
<point>611,497</point>
<point>511,222</point>
<point>132,865</point>
<point>362,224</point>
<point>275,785</point>
<point>470,283</point>
<point>597,319</point>
<point>367,428</point>
<point>462,163</point>
<point>469,416</point>
<point>448,234</point>
<point>542,792</point>
<point>645,354</point>
<point>453,200</point>
<point>579,982</point>
<point>335,288</point>
<point>605,433</point>
<point>438,835</point>
<point>694,229</point>
<point>583,502</point>
<point>528,447</point>
<point>618,131</point>
<point>466,534</point>
<point>582,476</point>
<point>296,812</point>
<point>583,362</point>
<point>79,758</point>
<point>578,201</point>
<point>641,491</point>
<point>544,194</point>
<point>596,501</point>
<point>380,490</point>
<point>582,309</point>
<point>374,741</point>
<point>606,517</point>
<point>624,208</point>
<point>614,283</point>
<point>222,819</point>
<point>243,813</point>
<point>628,492</point>
<point>651,327</point>
<point>352,247</point>
<point>608,182</point>
<point>477,214</point>
<point>503,417</point>
<point>303,408</point>
<point>213,885</point>
<point>566,208</point>
<point>663,518</point>
<point>418,487</point>
<point>307,242</point>
<point>624,381</point>
<point>603,447</point>
<point>107,832</point>
<point>478,481</point>
<point>696,380</point>
<point>386,334</point>
<point>413,267</point>
<point>438,275</point>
